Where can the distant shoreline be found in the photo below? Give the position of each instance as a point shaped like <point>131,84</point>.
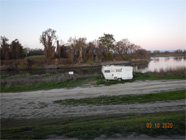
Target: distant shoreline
<point>167,55</point>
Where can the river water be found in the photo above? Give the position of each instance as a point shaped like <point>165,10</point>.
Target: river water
<point>158,63</point>
<point>155,64</point>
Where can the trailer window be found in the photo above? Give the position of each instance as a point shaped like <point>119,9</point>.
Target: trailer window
<point>107,71</point>
<point>118,70</point>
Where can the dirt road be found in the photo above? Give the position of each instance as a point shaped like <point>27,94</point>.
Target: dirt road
<point>36,104</point>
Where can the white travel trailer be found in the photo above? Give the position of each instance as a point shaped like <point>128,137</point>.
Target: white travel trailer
<point>114,72</point>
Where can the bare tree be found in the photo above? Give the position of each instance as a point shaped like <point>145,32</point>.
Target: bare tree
<point>133,48</point>
<point>142,54</point>
<point>178,51</point>
<point>122,47</point>
<point>48,39</point>
<point>89,51</point>
<point>78,45</point>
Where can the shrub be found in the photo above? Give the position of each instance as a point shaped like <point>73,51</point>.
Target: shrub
<point>21,65</point>
<point>109,56</point>
<point>90,61</point>
<point>34,66</point>
<point>179,71</point>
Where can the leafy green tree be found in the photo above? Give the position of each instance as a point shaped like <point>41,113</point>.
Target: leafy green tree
<point>11,51</point>
<point>16,50</point>
<point>107,40</point>
<point>4,48</point>
<point>48,39</point>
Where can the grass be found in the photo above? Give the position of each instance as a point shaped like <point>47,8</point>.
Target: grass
<point>125,99</point>
<point>168,74</point>
<point>94,126</point>
<point>36,57</point>
<point>49,85</point>
<point>3,77</point>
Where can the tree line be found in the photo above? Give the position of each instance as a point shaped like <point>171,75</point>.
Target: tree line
<point>105,48</point>
<point>15,50</point>
<point>76,49</point>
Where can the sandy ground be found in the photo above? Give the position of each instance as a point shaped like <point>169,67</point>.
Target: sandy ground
<point>36,104</point>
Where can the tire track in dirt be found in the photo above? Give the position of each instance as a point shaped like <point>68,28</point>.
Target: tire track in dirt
<point>35,104</point>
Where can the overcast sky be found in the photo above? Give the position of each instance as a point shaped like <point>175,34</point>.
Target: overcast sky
<point>152,24</point>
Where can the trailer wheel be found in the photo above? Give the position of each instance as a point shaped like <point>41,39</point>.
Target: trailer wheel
<point>119,79</point>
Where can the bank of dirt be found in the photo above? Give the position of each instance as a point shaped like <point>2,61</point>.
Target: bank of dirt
<point>39,104</point>
<point>42,64</point>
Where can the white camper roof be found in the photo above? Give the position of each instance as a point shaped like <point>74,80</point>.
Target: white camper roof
<point>116,66</point>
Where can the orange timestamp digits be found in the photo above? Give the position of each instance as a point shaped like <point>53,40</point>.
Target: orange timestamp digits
<point>159,125</point>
